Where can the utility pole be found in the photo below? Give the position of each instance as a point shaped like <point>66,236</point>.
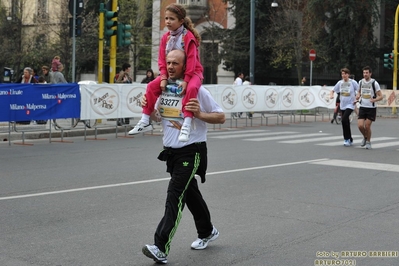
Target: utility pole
<point>112,50</point>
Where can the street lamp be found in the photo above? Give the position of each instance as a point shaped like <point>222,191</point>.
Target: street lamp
<point>252,41</point>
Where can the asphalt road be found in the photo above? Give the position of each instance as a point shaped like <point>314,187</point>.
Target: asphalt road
<point>279,195</point>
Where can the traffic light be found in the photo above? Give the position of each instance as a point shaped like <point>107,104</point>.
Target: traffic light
<point>109,23</point>
<point>388,61</point>
<point>124,34</point>
<point>78,27</point>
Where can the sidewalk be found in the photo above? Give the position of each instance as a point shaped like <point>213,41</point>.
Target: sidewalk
<point>33,131</point>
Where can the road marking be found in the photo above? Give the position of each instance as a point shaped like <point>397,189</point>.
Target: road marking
<point>151,181</point>
<point>359,165</point>
<point>340,143</point>
<point>297,141</point>
<point>287,137</point>
<point>226,132</point>
<point>252,135</point>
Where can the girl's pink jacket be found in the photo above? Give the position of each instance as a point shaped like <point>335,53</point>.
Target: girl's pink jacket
<point>193,64</point>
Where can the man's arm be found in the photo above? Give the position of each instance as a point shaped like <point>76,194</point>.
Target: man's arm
<point>192,106</point>
<point>211,118</point>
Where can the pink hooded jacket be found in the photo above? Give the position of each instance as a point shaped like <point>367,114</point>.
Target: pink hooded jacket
<point>193,64</point>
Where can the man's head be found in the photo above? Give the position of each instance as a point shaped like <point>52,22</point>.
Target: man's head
<point>60,67</point>
<point>176,64</point>
<point>367,72</point>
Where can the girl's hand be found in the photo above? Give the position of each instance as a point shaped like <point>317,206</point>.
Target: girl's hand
<point>163,84</point>
<point>143,101</point>
<point>183,86</point>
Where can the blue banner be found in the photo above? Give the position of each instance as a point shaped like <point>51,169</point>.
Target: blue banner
<point>26,102</point>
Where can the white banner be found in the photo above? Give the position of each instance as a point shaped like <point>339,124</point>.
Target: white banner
<point>123,100</point>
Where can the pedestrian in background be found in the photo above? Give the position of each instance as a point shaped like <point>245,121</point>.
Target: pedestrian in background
<point>58,77</point>
<point>124,77</point>
<point>369,93</point>
<point>347,88</point>
<point>46,74</point>
<point>27,76</point>
<point>149,76</point>
<point>238,81</point>
<point>124,74</point>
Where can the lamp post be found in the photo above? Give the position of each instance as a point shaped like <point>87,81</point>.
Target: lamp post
<point>252,41</point>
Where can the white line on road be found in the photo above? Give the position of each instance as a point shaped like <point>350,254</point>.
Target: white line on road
<point>151,181</point>
<point>231,136</point>
<point>288,137</point>
<point>340,143</point>
<point>361,165</point>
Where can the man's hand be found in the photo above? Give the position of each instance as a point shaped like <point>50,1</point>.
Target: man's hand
<point>194,107</point>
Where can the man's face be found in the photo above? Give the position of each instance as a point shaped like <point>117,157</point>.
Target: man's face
<point>344,75</point>
<point>175,64</point>
<point>366,74</point>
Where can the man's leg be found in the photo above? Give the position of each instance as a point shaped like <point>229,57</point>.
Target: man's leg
<point>367,128</point>
<point>360,125</point>
<point>199,209</point>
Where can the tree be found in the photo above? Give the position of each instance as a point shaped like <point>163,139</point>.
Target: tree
<point>342,32</point>
<point>287,36</point>
<point>236,42</point>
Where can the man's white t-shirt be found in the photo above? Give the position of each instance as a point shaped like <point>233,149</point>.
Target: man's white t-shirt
<point>347,91</point>
<point>367,92</point>
<point>198,128</point>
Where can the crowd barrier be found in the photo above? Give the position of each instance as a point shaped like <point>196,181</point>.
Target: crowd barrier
<point>92,102</point>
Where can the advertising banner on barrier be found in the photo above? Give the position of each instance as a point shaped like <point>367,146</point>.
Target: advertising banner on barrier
<point>111,100</point>
<point>123,100</point>
<point>25,102</point>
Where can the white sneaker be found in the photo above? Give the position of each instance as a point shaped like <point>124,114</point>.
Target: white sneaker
<point>202,243</point>
<point>140,128</point>
<point>363,143</point>
<point>347,143</point>
<point>184,133</point>
<point>368,145</point>
<point>154,253</point>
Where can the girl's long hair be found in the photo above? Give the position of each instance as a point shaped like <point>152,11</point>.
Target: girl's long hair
<point>180,12</point>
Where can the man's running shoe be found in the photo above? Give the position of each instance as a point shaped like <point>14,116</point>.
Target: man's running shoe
<point>184,133</point>
<point>140,128</point>
<point>363,143</point>
<point>153,252</point>
<point>202,243</point>
<point>347,143</point>
<point>368,145</point>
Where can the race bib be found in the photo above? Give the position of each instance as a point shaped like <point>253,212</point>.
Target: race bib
<point>366,91</point>
<point>170,106</point>
<point>345,89</point>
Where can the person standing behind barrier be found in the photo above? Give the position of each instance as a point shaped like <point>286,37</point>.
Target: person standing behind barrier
<point>55,63</point>
<point>46,74</point>
<point>27,77</point>
<point>181,36</point>
<point>124,77</point>
<point>58,77</point>
<point>238,81</point>
<point>184,160</point>
<point>347,88</point>
<point>369,93</point>
<point>149,76</point>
